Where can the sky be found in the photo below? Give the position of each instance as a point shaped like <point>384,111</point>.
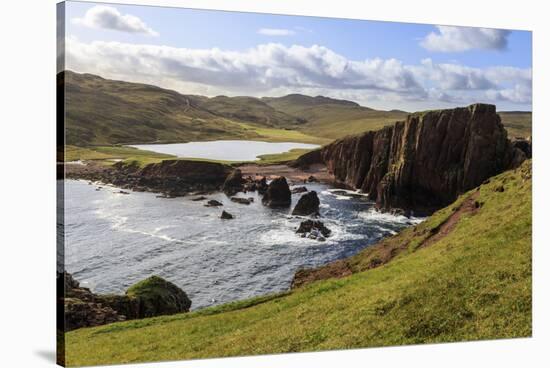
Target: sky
<point>383,65</point>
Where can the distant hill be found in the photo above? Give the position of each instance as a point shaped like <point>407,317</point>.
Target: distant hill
<point>333,118</point>
<point>249,109</point>
<point>100,111</point>
<point>517,123</point>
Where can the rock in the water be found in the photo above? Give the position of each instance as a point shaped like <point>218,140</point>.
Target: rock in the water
<point>197,199</point>
<point>312,179</point>
<point>308,204</point>
<point>277,194</point>
<point>241,200</point>
<point>425,162</point>
<point>159,297</point>
<point>213,203</point>
<point>312,227</point>
<point>261,185</point>
<point>226,215</point>
<point>234,182</point>
<point>298,190</point>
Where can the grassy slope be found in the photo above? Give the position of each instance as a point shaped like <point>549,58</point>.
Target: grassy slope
<point>73,153</point>
<point>105,112</point>
<point>518,123</point>
<point>474,283</point>
<point>330,118</point>
<point>248,109</point>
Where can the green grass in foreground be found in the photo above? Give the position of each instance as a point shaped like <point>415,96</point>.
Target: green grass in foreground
<point>474,283</point>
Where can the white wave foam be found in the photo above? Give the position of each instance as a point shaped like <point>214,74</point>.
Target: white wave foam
<point>356,192</point>
<point>344,194</point>
<point>284,232</point>
<point>119,223</point>
<point>374,215</point>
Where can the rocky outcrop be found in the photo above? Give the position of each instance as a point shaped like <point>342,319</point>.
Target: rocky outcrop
<point>425,162</point>
<point>277,193</point>
<point>81,309</point>
<point>171,177</point>
<point>148,298</point>
<point>308,204</point>
<point>157,297</point>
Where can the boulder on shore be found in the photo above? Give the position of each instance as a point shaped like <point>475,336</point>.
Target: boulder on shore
<point>277,194</point>
<point>308,204</point>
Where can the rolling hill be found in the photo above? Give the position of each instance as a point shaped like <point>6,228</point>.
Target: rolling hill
<point>332,118</point>
<point>518,123</point>
<point>100,111</point>
<point>463,274</point>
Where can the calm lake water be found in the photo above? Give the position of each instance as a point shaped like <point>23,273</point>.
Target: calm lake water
<point>114,240</point>
<point>224,150</point>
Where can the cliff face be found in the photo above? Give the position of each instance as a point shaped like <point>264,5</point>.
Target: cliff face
<point>425,162</point>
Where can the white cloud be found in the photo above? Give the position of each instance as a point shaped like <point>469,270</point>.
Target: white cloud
<point>458,39</point>
<point>108,17</point>
<point>454,76</point>
<point>274,69</point>
<point>276,32</point>
<point>518,94</point>
<point>261,68</point>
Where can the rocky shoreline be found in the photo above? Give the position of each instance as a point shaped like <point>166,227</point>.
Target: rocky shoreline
<point>176,178</point>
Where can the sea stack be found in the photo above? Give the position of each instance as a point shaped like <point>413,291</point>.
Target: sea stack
<point>277,193</point>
